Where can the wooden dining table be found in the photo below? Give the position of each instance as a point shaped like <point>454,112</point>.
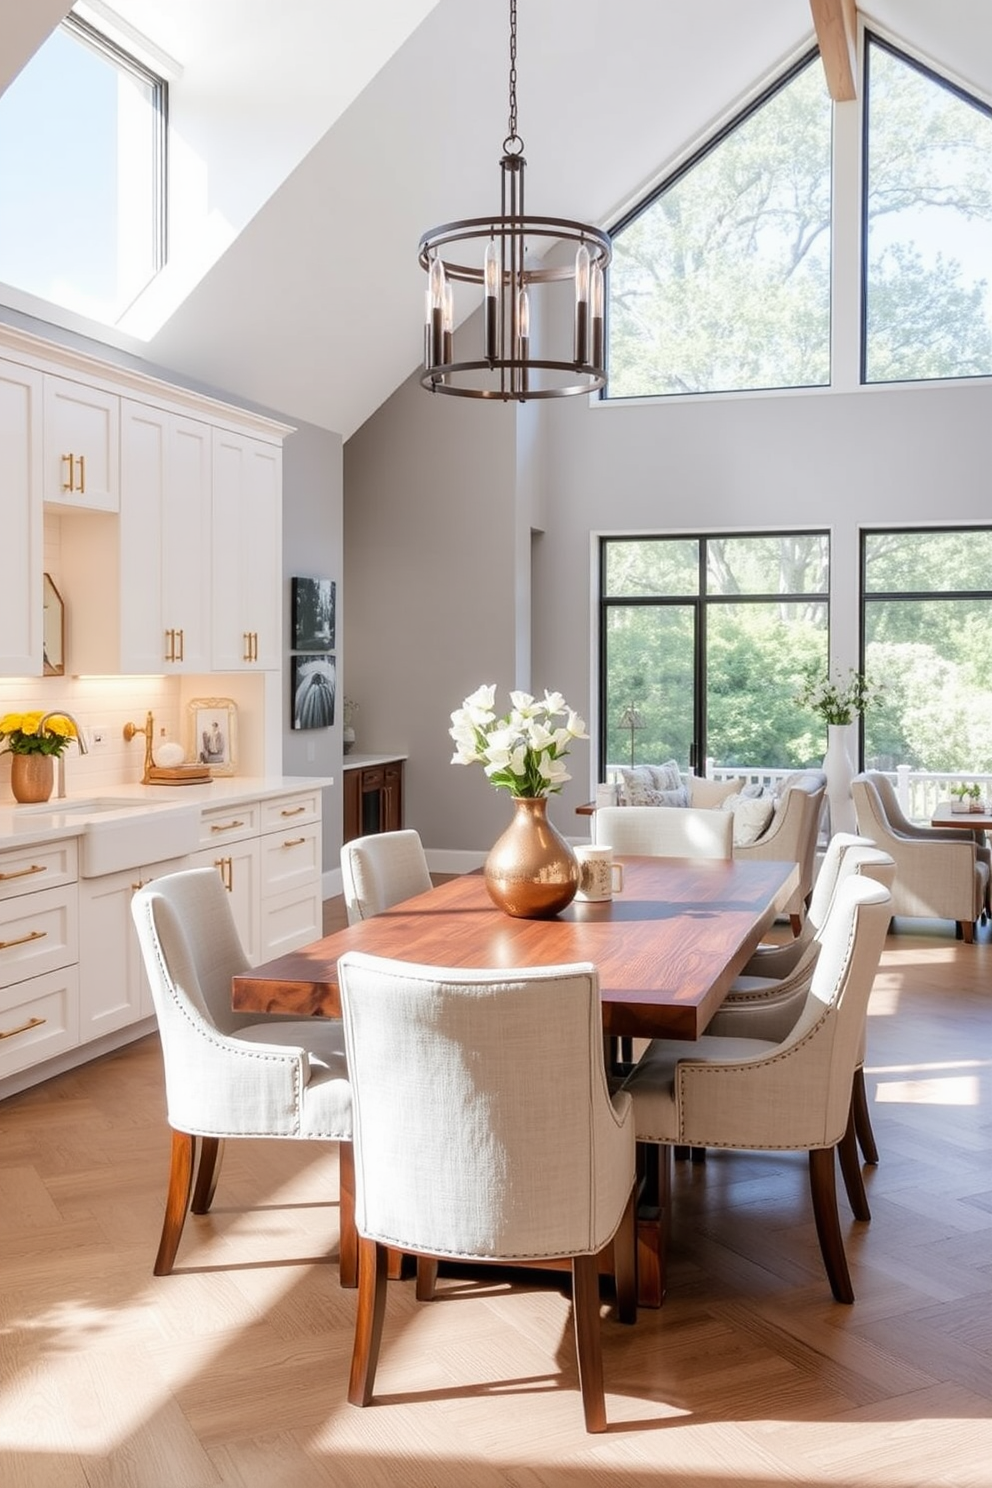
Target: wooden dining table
<point>667,948</point>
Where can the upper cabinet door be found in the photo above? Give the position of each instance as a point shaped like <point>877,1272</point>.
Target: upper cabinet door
<point>81,446</point>
<point>247,553</point>
<point>21,554</point>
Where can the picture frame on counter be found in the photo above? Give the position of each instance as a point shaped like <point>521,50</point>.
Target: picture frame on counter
<point>313,615</point>
<point>212,734</point>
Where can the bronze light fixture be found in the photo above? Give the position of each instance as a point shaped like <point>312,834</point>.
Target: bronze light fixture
<point>507,257</point>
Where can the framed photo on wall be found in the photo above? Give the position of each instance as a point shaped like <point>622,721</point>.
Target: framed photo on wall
<point>212,728</point>
<point>315,685</point>
<point>313,614</point>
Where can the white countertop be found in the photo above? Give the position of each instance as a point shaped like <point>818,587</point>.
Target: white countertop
<point>368,761</point>
<point>22,825</point>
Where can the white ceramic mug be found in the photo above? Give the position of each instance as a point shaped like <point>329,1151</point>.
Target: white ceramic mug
<point>599,877</point>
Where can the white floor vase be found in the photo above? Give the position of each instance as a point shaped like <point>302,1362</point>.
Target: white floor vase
<point>839,770</point>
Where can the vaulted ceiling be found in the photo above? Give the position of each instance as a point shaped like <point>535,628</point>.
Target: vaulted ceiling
<point>344,130</point>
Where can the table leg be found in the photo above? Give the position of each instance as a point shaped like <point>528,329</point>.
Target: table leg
<point>654,1164</point>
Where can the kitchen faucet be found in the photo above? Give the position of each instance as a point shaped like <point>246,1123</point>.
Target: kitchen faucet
<point>60,758</point>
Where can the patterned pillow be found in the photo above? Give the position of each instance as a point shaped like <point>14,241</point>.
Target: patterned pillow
<point>678,797</point>
<point>751,816</point>
<point>639,781</point>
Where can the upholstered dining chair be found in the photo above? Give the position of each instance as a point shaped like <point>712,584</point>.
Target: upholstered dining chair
<point>381,870</point>
<point>231,1074</point>
<point>767,1007</point>
<point>484,1131</point>
<point>792,1094</point>
<point>936,878</point>
<point>664,832</point>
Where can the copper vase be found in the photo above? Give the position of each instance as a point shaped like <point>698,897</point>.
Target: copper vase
<point>531,872</point>
<point>32,777</point>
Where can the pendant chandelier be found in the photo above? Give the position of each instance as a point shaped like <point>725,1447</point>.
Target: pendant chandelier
<point>507,257</point>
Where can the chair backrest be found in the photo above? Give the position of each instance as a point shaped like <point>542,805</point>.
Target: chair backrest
<point>483,1125</point>
<point>382,870</point>
<point>870,811</point>
<point>894,814</point>
<point>827,878</point>
<point>665,831</point>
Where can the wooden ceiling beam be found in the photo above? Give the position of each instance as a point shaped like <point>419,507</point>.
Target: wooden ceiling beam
<point>836,23</point>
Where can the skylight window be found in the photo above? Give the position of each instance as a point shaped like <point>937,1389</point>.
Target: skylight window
<point>82,175</point>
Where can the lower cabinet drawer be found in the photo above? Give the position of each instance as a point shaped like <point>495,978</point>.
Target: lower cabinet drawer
<point>38,1019</point>
<point>228,823</point>
<point>38,933</point>
<point>290,858</point>
<point>290,921</point>
<point>288,811</point>
<point>24,870</point>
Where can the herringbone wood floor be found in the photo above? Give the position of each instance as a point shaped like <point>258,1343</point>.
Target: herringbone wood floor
<point>233,1370</point>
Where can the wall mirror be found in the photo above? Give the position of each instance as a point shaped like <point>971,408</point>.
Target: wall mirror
<point>54,630</point>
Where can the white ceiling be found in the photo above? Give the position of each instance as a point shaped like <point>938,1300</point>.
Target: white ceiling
<point>383,118</point>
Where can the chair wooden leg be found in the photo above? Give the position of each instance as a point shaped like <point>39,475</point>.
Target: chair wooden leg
<point>588,1340</point>
<point>653,1215</point>
<point>368,1320</point>
<point>426,1278</point>
<point>823,1189</point>
<point>967,931</point>
<point>207,1173</point>
<point>847,1151</point>
<point>348,1245</point>
<point>796,921</point>
<point>625,1262</point>
<point>176,1200</point>
<point>862,1117</point>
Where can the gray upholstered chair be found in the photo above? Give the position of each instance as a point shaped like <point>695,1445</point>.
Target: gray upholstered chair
<point>664,832</point>
<point>382,870</point>
<point>937,877</point>
<point>231,1074</point>
<point>792,1094</point>
<point>484,1131</point>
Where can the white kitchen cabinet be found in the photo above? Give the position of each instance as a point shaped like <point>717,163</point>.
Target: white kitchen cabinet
<point>247,553</point>
<point>21,552</point>
<point>82,446</point>
<point>165,537</point>
<point>39,950</point>
<point>237,864</point>
<point>113,987</point>
<point>290,851</point>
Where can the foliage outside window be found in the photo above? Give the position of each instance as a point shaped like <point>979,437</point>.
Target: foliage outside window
<point>928,633</point>
<point>722,280</point>
<point>928,236</point>
<point>82,146</point>
<point>705,643</point>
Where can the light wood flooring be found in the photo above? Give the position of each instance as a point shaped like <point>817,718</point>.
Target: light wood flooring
<point>233,1370</point>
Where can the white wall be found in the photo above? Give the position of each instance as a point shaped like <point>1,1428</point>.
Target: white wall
<point>431,473</point>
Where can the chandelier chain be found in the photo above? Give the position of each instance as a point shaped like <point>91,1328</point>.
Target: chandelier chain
<point>513,138</point>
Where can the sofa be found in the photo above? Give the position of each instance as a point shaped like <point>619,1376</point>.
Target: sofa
<point>781,824</point>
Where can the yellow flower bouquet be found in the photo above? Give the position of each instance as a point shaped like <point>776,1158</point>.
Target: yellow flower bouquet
<point>22,733</point>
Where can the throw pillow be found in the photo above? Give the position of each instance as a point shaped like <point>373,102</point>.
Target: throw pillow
<point>634,783</point>
<point>678,797</point>
<point>666,777</point>
<point>712,793</point>
<point>751,817</point>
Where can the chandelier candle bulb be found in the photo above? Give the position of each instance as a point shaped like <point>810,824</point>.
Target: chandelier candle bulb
<point>492,280</point>
<point>448,322</point>
<point>582,304</point>
<point>596,314</point>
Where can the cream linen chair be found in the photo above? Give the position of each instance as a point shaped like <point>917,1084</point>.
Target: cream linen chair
<point>936,878</point>
<point>382,870</point>
<point>664,832</point>
<point>901,824</point>
<point>791,837</point>
<point>748,1093</point>
<point>484,1131</point>
<point>230,1074</point>
<point>767,1007</point>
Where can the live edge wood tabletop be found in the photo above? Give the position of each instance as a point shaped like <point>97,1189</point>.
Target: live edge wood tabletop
<point>667,947</point>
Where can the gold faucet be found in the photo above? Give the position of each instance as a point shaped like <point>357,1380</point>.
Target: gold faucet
<point>130,729</point>
<point>60,759</point>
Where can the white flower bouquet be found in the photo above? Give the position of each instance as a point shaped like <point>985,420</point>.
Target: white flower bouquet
<point>523,751</point>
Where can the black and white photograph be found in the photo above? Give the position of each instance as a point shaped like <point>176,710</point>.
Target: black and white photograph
<point>212,734</point>
<point>313,614</point>
<point>314,681</point>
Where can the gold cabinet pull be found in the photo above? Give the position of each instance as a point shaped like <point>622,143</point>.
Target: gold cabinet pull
<point>294,811</point>
<point>246,654</point>
<point>23,872</point>
<point>5,945</point>
<point>225,867</point>
<point>82,475</point>
<point>294,842</point>
<point>225,826</point>
<point>13,1032</point>
<point>68,485</point>
<point>170,645</point>
<point>182,646</point>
